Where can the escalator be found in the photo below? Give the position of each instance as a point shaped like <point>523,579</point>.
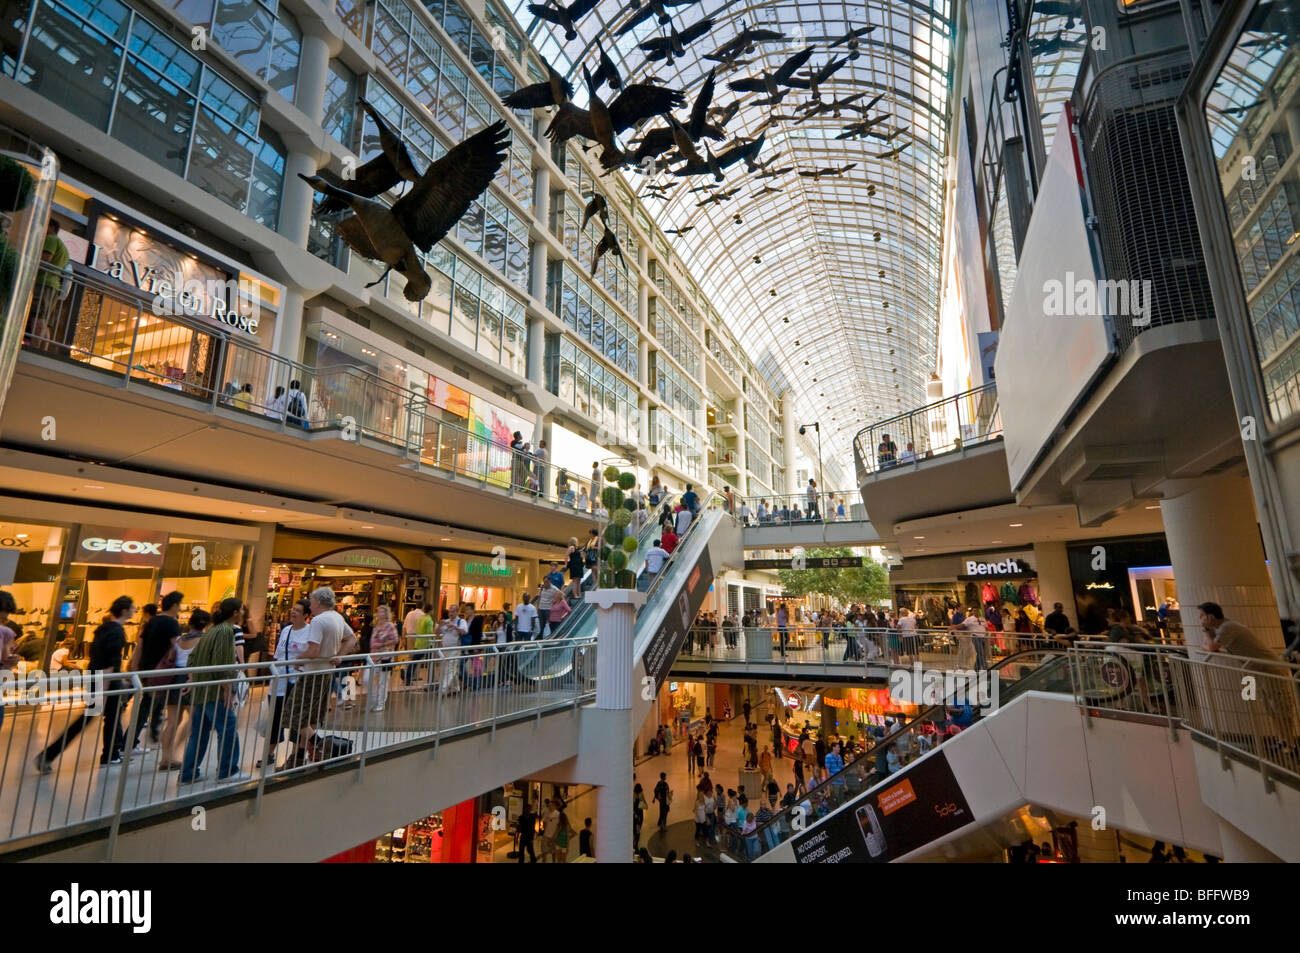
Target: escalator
<point>672,601</point>
<point>876,809</point>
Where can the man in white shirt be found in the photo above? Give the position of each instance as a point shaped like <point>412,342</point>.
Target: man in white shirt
<point>328,637</point>
<point>450,631</point>
<point>540,456</point>
<point>546,596</point>
<point>525,619</point>
<point>655,558</point>
<point>907,625</point>
<point>762,511</point>
<point>744,513</point>
<point>908,455</point>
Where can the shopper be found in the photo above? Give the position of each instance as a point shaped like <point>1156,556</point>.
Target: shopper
<point>525,619</point>
<point>638,814</point>
<point>668,539</point>
<point>563,833</point>
<point>663,796</point>
<point>595,483</point>
<point>574,561</point>
<point>157,641</point>
<point>383,638</point>
<point>105,659</point>
<point>328,638</point>
<point>290,645</point>
<point>550,827</point>
<point>527,826</point>
<point>450,633</point>
<point>655,558</point>
<point>814,513</point>
<point>9,636</point>
<point>547,594</point>
<point>765,763</point>
<point>410,636</point>
<point>213,698</point>
<point>587,840</point>
<point>782,626</point>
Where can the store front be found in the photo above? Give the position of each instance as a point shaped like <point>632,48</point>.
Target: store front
<point>64,576</point>
<point>1132,573</point>
<point>486,582</point>
<point>1001,585</point>
<point>148,298</point>
<point>363,577</point>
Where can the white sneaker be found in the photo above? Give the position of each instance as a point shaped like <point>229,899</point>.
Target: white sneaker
<point>237,778</point>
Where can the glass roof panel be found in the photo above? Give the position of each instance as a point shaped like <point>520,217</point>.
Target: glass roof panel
<point>848,265</point>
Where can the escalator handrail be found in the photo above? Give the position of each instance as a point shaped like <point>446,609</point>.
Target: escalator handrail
<point>906,726</point>
<point>681,545</point>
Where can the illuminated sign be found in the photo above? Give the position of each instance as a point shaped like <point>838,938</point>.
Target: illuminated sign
<point>111,546</point>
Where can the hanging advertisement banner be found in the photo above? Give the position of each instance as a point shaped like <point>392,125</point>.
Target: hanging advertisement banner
<point>894,819</point>
<point>667,642</point>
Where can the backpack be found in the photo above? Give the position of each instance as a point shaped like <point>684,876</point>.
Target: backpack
<point>330,746</point>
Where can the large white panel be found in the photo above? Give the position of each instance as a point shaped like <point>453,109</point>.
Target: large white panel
<point>1237,793</point>
<point>1046,361</point>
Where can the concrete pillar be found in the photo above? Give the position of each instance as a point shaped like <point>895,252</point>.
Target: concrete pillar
<point>1215,548</point>
<point>259,574</point>
<point>537,268</point>
<point>542,196</point>
<point>287,339</point>
<point>789,426</point>
<point>611,717</point>
<point>536,360</point>
<point>742,449</point>
<point>1052,563</point>
<point>296,195</point>
<point>643,423</point>
<point>643,362</point>
<point>1239,848</point>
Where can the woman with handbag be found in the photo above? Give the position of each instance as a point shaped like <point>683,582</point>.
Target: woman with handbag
<point>383,638</point>
<point>291,644</point>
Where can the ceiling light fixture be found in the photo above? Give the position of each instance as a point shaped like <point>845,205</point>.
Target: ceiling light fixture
<point>1017,524</point>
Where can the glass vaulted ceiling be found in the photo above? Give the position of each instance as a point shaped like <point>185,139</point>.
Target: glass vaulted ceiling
<point>855,269</point>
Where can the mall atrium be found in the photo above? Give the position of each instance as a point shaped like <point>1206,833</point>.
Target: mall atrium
<point>480,431</point>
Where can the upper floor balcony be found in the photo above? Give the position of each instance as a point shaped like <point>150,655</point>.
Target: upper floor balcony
<point>951,451</point>
<point>174,394</point>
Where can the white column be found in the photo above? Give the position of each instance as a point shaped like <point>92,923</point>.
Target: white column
<point>542,196</point>
<point>287,340</point>
<point>535,361</point>
<point>260,572</point>
<point>742,449</point>
<point>1217,555</point>
<point>296,195</point>
<point>1052,563</point>
<point>611,719</point>
<point>788,429</point>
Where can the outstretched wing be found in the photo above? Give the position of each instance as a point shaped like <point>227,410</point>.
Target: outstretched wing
<point>580,8</point>
<point>700,111</point>
<point>450,185</point>
<point>570,121</point>
<point>656,47</point>
<point>640,101</point>
<point>547,12</point>
<point>747,85</point>
<point>793,63</point>
<point>695,31</point>
<point>533,97</point>
<point>765,36</point>
<point>654,143</point>
<point>372,178</point>
<point>645,13</point>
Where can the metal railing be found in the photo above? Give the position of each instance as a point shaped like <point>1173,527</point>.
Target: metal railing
<point>796,508</point>
<point>52,780</point>
<point>854,647</point>
<point>871,763</point>
<point>1247,708</point>
<point>945,426</point>
<point>103,324</point>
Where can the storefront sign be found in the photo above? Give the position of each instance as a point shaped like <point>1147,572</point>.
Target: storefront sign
<point>360,559</point>
<point>1004,568</point>
<point>179,282</point>
<point>892,820</point>
<point>487,569</point>
<point>796,700</point>
<point>809,562</point>
<point>112,546</point>
<point>667,642</point>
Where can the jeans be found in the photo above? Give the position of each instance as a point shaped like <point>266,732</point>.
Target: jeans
<point>645,581</point>
<point>543,619</point>
<point>784,637</point>
<point>210,716</point>
<point>153,705</point>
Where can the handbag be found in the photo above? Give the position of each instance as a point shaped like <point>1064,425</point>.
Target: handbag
<point>137,653</point>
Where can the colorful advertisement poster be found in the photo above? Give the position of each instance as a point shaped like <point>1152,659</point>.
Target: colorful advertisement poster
<point>663,649</point>
<point>911,809</point>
